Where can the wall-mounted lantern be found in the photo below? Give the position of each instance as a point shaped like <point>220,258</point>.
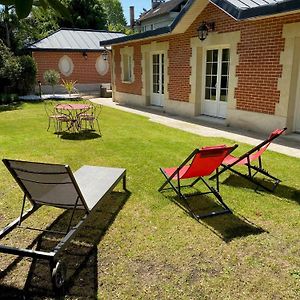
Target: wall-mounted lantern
<point>204,28</point>
<point>85,56</point>
<point>105,54</point>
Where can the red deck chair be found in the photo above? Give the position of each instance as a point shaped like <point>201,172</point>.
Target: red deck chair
<point>203,163</point>
<point>247,159</point>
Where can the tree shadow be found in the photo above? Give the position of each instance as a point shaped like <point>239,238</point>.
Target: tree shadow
<point>228,226</point>
<point>281,191</point>
<point>79,136</point>
<point>80,256</point>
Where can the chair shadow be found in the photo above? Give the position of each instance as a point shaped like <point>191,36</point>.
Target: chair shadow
<point>79,136</point>
<point>281,191</point>
<point>80,256</point>
<point>227,226</point>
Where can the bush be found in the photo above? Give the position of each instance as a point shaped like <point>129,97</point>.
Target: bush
<point>10,68</point>
<point>8,98</point>
<point>52,78</point>
<point>28,74</point>
<point>17,73</point>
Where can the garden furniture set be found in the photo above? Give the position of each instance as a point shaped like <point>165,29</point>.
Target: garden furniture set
<point>56,185</point>
<point>76,116</point>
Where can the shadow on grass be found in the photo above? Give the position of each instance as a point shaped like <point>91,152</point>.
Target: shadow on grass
<point>80,256</point>
<point>10,107</point>
<point>79,136</point>
<point>226,226</point>
<point>282,191</point>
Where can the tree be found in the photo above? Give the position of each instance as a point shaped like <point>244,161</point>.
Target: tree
<point>24,7</point>
<point>115,16</point>
<point>85,14</point>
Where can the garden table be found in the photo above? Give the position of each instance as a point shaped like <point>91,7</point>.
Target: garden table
<point>73,110</point>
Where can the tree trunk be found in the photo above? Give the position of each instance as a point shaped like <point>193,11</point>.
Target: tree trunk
<point>6,23</point>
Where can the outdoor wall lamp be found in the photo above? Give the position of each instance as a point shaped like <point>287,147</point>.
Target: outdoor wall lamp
<point>204,28</point>
<point>85,56</point>
<point>105,55</point>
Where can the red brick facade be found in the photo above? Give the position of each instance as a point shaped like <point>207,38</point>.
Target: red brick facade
<point>84,71</point>
<point>258,71</point>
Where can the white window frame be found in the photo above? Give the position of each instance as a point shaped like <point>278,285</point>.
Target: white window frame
<point>127,64</point>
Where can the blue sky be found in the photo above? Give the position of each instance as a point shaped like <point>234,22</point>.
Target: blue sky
<point>138,7</point>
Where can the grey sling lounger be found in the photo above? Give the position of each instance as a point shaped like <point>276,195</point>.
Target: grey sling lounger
<point>56,185</point>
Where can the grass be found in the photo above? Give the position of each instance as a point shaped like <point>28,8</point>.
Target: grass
<point>147,247</point>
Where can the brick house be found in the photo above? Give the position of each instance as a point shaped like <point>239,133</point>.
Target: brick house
<point>76,55</point>
<point>245,69</point>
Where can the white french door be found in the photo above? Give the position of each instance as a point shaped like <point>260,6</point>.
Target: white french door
<point>216,80</point>
<point>157,79</point>
<point>297,107</point>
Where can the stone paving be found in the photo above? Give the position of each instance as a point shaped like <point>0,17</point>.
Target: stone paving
<point>288,144</point>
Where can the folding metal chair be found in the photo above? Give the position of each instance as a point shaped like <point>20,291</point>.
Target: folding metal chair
<point>56,185</point>
<point>203,162</point>
<point>250,157</point>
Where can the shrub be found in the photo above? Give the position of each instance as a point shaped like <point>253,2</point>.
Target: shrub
<point>52,78</point>
<point>69,86</point>
<point>10,68</point>
<point>8,98</point>
<point>28,74</point>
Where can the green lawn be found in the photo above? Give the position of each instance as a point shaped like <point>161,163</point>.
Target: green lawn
<point>147,246</point>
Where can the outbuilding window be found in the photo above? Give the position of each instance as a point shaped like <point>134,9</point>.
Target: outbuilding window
<point>66,65</point>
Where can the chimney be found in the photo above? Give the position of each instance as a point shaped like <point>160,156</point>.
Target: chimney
<point>131,11</point>
<point>155,3</point>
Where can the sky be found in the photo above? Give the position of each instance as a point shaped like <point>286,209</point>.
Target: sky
<point>138,7</point>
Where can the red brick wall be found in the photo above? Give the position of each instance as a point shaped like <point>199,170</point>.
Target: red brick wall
<point>259,66</point>
<point>84,69</point>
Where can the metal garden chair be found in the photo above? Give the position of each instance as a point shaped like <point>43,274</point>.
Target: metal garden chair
<point>88,119</point>
<point>199,164</point>
<point>58,118</point>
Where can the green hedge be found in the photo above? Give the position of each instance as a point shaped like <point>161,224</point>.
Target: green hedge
<point>8,98</point>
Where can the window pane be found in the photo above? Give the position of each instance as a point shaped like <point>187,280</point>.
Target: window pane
<point>213,94</point>
<point>223,96</point>
<point>208,68</point>
<point>214,81</point>
<point>214,68</point>
<point>208,81</point>
<point>224,68</point>
<point>224,82</point>
<point>209,55</point>
<point>207,93</point>
<point>215,55</point>
<point>225,55</point>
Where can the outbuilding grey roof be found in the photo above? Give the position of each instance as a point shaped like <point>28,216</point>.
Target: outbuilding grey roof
<point>74,40</point>
<point>163,8</point>
<point>237,9</point>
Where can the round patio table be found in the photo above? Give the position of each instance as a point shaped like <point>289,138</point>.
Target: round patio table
<point>73,110</point>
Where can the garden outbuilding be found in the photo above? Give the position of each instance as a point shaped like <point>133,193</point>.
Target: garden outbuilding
<point>76,55</point>
<point>230,60</point>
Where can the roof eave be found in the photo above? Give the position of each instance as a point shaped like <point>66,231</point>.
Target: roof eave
<point>137,36</point>
<point>262,11</point>
<point>64,50</point>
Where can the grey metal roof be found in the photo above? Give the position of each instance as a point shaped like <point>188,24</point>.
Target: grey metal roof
<point>238,9</point>
<point>162,8</point>
<point>74,40</point>
<point>245,9</point>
